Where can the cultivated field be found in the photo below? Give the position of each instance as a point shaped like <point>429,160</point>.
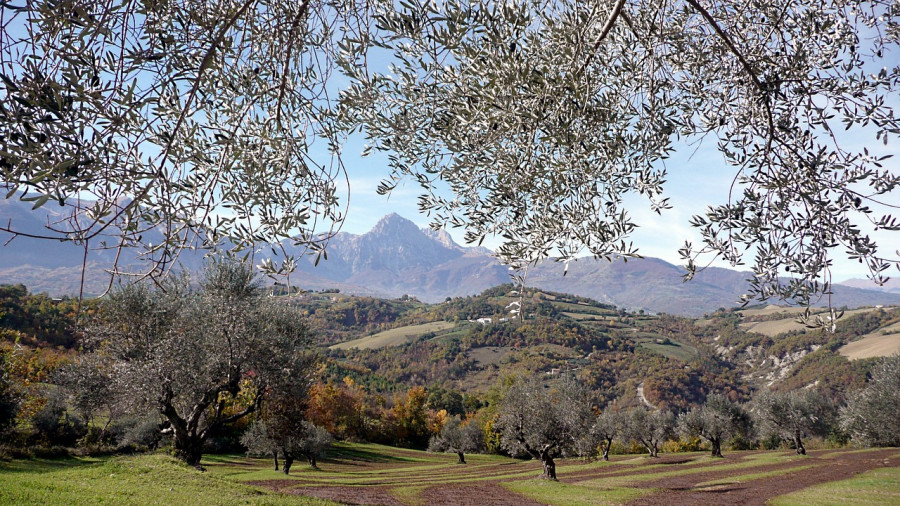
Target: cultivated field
<point>881,343</point>
<point>394,337</point>
<point>373,474</point>
<point>773,328</point>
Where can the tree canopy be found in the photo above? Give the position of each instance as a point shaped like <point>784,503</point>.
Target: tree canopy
<point>201,358</point>
<point>529,119</point>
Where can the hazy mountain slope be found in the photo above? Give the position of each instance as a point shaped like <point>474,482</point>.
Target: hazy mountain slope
<point>396,257</point>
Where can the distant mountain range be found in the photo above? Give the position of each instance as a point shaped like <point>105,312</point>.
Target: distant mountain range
<point>396,257</point>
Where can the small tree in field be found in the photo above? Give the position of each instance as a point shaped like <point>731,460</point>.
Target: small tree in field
<point>608,427</point>
<point>545,422</point>
<point>650,428</point>
<point>717,420</point>
<point>200,358</point>
<point>305,440</point>
<point>457,437</point>
<point>795,415</point>
<point>871,417</point>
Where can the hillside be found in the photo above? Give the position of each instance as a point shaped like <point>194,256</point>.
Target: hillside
<point>468,343</point>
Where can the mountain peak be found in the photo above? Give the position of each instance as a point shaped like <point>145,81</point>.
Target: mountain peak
<point>394,223</point>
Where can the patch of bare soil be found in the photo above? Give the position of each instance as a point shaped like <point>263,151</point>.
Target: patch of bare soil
<point>349,495</point>
<point>677,491</point>
<point>680,461</point>
<point>479,493</point>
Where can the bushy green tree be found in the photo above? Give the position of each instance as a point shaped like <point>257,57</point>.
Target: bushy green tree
<point>9,398</point>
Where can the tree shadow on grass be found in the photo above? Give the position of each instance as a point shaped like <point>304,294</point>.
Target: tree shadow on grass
<point>38,465</point>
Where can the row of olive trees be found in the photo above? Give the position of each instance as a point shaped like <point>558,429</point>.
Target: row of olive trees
<point>551,421</point>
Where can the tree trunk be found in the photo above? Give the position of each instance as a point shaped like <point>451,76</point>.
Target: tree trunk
<point>188,449</point>
<point>606,449</point>
<point>275,458</point>
<point>462,457</point>
<point>798,441</point>
<point>311,458</point>
<point>548,465</point>
<point>288,462</point>
<point>716,447</point>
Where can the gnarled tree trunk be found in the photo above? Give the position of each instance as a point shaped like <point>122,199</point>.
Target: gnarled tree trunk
<point>311,458</point>
<point>275,458</point>
<point>548,465</point>
<point>288,462</point>
<point>462,458</point>
<point>716,447</point>
<point>188,448</point>
<point>798,442</point>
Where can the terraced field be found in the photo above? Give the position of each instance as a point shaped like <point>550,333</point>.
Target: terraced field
<point>372,474</point>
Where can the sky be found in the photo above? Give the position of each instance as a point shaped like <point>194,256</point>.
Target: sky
<point>697,177</point>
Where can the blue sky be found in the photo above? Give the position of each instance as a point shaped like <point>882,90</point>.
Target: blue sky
<point>698,177</point>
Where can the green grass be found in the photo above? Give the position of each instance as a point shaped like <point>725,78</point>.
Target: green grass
<point>676,349</point>
<point>394,337</point>
<point>138,480</point>
<point>552,492</point>
<point>879,486</point>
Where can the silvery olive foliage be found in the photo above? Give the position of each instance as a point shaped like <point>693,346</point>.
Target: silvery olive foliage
<point>200,358</point>
<point>716,421</point>
<point>649,428</point>
<point>268,437</point>
<point>871,416</point>
<point>795,415</point>
<point>534,120</point>
<point>196,121</point>
<point>458,437</point>
<point>546,422</point>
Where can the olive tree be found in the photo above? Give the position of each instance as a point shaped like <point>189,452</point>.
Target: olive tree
<point>717,420</point>
<point>794,415</point>
<point>608,427</point>
<point>201,358</point>
<point>457,437</point>
<point>871,416</point>
<point>301,439</point>
<point>534,121</point>
<point>545,422</point>
<point>649,428</point>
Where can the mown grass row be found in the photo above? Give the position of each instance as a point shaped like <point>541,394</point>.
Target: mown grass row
<point>406,476</point>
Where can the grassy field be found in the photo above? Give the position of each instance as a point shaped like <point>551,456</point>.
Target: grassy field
<point>394,337</point>
<point>879,486</point>
<point>675,349</point>
<point>138,480</point>
<point>374,474</point>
